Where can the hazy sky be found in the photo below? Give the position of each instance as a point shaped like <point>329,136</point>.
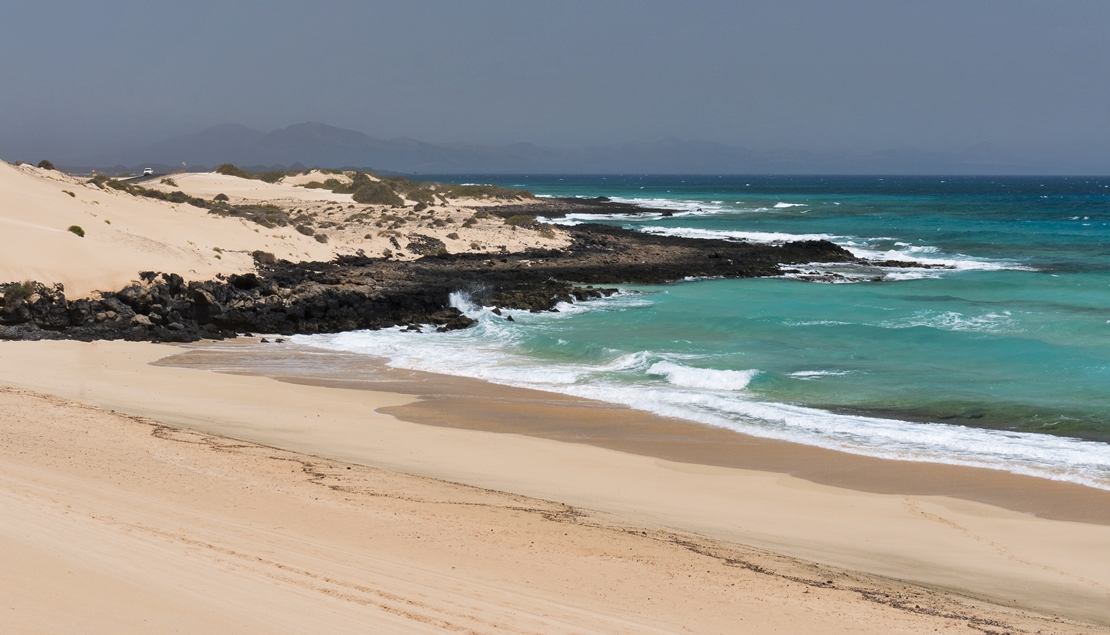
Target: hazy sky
<point>80,78</point>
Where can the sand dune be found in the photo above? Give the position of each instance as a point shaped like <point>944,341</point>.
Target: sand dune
<point>208,184</point>
<point>124,234</point>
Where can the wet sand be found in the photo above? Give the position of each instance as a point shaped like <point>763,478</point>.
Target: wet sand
<point>472,404</point>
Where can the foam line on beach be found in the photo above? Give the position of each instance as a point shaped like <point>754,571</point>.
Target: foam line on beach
<point>673,386</point>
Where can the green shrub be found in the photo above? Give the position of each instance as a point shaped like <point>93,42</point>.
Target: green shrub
<point>18,163</point>
<point>70,193</point>
<point>18,291</point>
<point>372,193</point>
<point>221,197</point>
<point>421,195</point>
<point>321,238</point>
<point>306,230</point>
<point>521,220</point>
<point>76,230</point>
<point>268,216</point>
<point>263,257</point>
<point>269,177</point>
<point>453,236</point>
<point>46,165</point>
<point>168,181</point>
<point>138,190</point>
<point>230,169</point>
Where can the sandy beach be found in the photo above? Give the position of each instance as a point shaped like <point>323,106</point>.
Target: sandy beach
<point>249,487</point>
<point>175,496</point>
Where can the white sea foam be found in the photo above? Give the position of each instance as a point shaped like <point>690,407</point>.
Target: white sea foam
<point>719,397</point>
<point>866,248</point>
<point>953,321</point>
<point>861,248</point>
<point>755,237</point>
<point>707,378</point>
<point>817,374</point>
<point>690,206</point>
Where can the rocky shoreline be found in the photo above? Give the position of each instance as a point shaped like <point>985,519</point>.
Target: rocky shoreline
<point>358,292</point>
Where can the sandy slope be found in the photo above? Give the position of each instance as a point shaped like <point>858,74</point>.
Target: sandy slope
<point>124,234</point>
<point>971,548</point>
<point>351,227</point>
<point>208,184</point>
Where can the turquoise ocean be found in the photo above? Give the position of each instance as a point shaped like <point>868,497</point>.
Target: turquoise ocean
<point>1000,359</point>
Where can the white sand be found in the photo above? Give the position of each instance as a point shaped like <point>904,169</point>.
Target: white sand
<point>208,184</point>
<point>124,235</point>
<point>987,552</point>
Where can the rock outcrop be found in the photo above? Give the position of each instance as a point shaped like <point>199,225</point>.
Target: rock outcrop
<point>358,292</point>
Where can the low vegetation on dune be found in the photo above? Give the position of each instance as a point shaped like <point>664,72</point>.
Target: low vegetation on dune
<point>521,220</point>
<point>138,190</point>
<point>376,193</point>
<point>16,291</point>
<point>387,205</point>
<point>231,169</point>
<point>371,189</point>
<point>269,216</point>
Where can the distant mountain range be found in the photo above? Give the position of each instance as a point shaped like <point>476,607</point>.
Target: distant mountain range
<point>319,145</point>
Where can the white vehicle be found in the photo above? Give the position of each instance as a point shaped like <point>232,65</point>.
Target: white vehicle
<point>148,171</point>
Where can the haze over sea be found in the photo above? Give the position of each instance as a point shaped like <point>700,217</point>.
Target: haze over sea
<point>999,357</point>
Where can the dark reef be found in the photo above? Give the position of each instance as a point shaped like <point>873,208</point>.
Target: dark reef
<point>356,292</point>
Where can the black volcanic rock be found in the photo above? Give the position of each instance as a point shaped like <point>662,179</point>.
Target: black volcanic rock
<point>356,292</point>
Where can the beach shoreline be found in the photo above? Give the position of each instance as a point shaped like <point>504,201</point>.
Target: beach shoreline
<point>476,404</point>
<point>940,542</point>
<point>132,524</point>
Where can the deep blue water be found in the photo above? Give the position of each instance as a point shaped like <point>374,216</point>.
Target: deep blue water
<point>1000,358</point>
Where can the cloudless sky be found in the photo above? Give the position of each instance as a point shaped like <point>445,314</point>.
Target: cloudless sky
<point>80,78</point>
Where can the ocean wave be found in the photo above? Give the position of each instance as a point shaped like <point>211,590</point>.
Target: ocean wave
<point>720,397</point>
<point>924,256</point>
<point>954,321</point>
<point>707,378</point>
<point>690,206</point>
<point>721,234</point>
<point>866,249</point>
<point>809,375</point>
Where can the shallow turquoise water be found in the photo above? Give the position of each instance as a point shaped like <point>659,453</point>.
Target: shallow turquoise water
<point>1001,359</point>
